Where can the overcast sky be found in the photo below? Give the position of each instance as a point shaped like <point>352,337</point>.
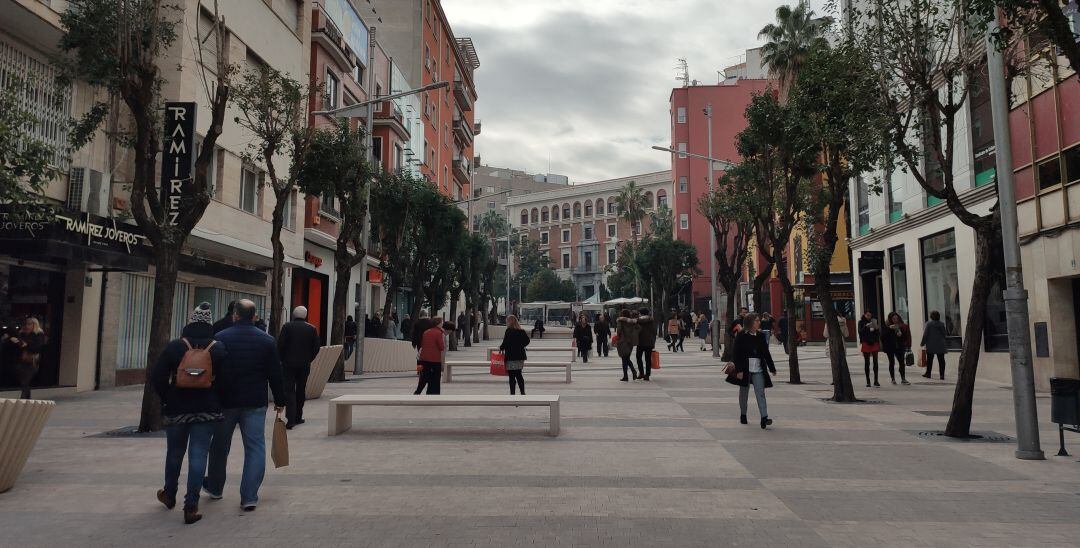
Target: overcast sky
<point>584,84</point>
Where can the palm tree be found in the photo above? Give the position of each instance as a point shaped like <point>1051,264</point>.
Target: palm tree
<point>790,40</point>
<point>633,207</point>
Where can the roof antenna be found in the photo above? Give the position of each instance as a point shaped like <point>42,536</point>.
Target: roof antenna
<point>683,71</point>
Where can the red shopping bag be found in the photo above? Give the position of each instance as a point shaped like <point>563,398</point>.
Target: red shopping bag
<point>498,364</point>
<point>655,360</point>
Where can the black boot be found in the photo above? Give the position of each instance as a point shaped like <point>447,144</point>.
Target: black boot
<point>742,419</point>
<point>765,421</point>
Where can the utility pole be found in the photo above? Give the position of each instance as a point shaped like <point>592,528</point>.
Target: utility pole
<point>365,234</point>
<point>1015,296</point>
<point>715,323</point>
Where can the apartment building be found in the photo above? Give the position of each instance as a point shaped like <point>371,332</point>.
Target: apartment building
<point>422,43</point>
<point>84,272</point>
<point>914,256</point>
<point>493,186</point>
<point>579,227</point>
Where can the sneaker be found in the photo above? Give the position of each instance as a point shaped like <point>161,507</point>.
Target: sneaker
<point>163,498</point>
<point>868,385</point>
<point>300,421</point>
<point>210,494</point>
<point>765,421</point>
<point>248,507</point>
<point>878,385</point>
<point>624,379</point>
<point>894,381</point>
<point>904,382</point>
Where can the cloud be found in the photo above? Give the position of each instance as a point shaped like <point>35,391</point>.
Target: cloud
<point>585,85</point>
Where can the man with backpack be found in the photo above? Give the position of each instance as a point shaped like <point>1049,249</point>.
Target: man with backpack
<point>184,379</point>
<point>252,365</point>
<point>298,344</point>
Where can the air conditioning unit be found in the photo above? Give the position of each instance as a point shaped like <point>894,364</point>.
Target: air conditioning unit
<point>88,190</point>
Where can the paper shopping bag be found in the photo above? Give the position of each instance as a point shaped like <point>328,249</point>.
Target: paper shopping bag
<point>922,357</point>
<point>498,364</point>
<point>655,361</point>
<point>279,446</point>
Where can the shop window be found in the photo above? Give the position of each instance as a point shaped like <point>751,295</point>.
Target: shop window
<point>941,287</point>
<point>898,279</point>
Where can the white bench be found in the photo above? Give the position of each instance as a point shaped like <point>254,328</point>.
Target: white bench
<point>569,351</point>
<point>450,365</point>
<point>340,417</point>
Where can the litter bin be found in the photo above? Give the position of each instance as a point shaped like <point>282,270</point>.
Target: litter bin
<point>1065,401</point>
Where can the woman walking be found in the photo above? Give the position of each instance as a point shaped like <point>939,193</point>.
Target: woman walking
<point>702,329</point>
<point>189,414</point>
<point>419,327</point>
<point>30,343</point>
<point>934,343</point>
<point>513,348</point>
<point>673,332</point>
<point>583,337</point>
<point>627,329</point>
<point>753,363</point>
<point>603,334</point>
<point>896,342</point>
<point>870,336</point>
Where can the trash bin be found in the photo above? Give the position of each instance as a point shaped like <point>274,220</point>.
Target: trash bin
<point>1065,401</point>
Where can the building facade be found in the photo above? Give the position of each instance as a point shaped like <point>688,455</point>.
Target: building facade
<point>579,226</point>
<point>493,186</point>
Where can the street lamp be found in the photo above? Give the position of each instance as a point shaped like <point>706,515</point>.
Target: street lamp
<point>712,230</point>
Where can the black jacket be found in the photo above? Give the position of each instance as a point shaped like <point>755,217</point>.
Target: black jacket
<point>514,343</point>
<point>647,336</point>
<point>178,401</point>
<point>223,324</point>
<point>583,335</point>
<point>867,335</point>
<point>895,338</point>
<point>252,364</point>
<point>745,347</point>
<point>602,329</point>
<point>298,344</point>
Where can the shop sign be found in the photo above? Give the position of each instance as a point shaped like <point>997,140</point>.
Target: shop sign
<point>374,276</point>
<point>312,258</point>
<point>72,227</point>
<point>177,158</point>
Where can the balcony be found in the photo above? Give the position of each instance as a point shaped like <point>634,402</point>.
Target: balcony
<point>476,128</point>
<point>461,93</point>
<point>462,131</point>
<point>462,170</point>
<point>585,270</point>
<point>326,34</point>
<point>388,114</point>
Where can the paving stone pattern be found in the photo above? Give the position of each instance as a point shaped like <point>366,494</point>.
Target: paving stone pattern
<point>663,463</point>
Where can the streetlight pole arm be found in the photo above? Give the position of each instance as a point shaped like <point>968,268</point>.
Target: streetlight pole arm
<point>354,110</point>
<point>726,163</point>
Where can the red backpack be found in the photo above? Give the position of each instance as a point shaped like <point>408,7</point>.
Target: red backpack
<point>196,369</point>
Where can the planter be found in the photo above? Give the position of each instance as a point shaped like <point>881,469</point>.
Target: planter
<point>321,369</point>
<point>21,422</point>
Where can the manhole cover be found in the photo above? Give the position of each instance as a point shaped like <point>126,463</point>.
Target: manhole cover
<point>934,413</point>
<point>976,437</point>
<point>128,432</point>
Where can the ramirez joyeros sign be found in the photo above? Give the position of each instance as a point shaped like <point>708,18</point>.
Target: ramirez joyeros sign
<point>177,157</point>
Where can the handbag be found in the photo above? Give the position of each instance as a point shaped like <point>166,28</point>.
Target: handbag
<point>909,358</point>
<point>729,369</point>
<point>279,446</point>
<point>655,360</point>
<point>498,364</point>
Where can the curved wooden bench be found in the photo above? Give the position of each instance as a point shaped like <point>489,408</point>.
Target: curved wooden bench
<point>321,369</point>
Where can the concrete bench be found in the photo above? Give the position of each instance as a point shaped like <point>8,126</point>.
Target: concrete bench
<point>551,351</point>
<point>448,367</point>
<point>340,417</point>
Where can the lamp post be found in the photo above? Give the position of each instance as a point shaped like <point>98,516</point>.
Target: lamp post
<point>712,231</point>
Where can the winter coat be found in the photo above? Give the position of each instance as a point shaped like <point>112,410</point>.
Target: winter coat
<point>869,331</point>
<point>933,338</point>
<point>895,338</point>
<point>252,364</point>
<point>298,344</point>
<point>513,345</point>
<point>602,330</point>
<point>190,404</point>
<point>647,336</point>
<point>629,332</point>
<point>583,336</point>
<point>673,326</point>
<point>742,349</point>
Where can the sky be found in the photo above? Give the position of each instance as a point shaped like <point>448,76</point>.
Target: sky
<point>582,86</point>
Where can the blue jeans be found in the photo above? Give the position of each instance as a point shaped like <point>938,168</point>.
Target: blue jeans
<point>193,439</point>
<point>758,381</point>
<point>252,422</point>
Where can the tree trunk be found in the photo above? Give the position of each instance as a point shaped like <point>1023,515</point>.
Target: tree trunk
<point>729,337</point>
<point>388,305</point>
<point>453,318</point>
<point>418,300</point>
<point>277,273</point>
<point>986,236</point>
<point>759,282</point>
<point>166,261</point>
<point>343,265</point>
<point>843,390</point>
<point>794,376</point>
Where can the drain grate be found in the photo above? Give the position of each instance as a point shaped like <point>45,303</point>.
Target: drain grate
<point>934,413</point>
<point>976,437</point>
<point>128,432</point>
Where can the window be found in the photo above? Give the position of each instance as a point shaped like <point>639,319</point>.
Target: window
<point>611,206</point>
<point>289,212</point>
<point>941,288</point>
<point>1072,161</point>
<point>798,258</point>
<point>684,221</point>
<point>611,230</point>
<point>327,205</point>
<point>249,190</point>
<point>682,150</point>
<point>399,158</point>
<point>599,207</point>
<point>577,210</point>
<point>211,169</point>
<point>588,209</point>
<point>684,186</point>
<point>566,260</point>
<point>544,238</point>
<point>649,200</point>
<point>898,278</point>
<point>611,256</point>
<point>491,206</point>
<point>681,115</point>
<point>331,89</point>
<point>565,211</point>
<point>892,197</point>
<point>588,232</point>
<point>534,217</point>
<point>524,217</point>
<point>544,215</point>
<point>51,105</point>
<point>1049,172</point>
<point>862,192</point>
<point>637,227</point>
<point>566,235</point>
<point>555,213</point>
<point>376,150</point>
<point>588,261</point>
<point>982,127</point>
<point>661,199</point>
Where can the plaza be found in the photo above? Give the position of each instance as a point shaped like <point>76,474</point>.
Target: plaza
<point>637,464</point>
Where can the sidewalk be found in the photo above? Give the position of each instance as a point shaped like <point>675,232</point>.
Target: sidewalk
<point>663,463</point>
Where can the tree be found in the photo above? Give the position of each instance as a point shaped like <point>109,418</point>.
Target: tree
<point>729,208</point>
<point>494,227</point>
<point>777,147</point>
<point>925,73</point>
<point>789,41</point>
<point>273,108</point>
<point>436,230</point>
<point>547,286</point>
<point>667,265</point>
<point>475,256</point>
<point>530,260</point>
<point>117,45</point>
<point>394,201</point>
<point>335,167</point>
<point>633,208</point>
<point>27,164</point>
<point>1049,18</point>
<point>836,95</point>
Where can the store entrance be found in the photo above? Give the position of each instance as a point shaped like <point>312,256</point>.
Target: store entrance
<point>310,289</point>
<point>31,292</point>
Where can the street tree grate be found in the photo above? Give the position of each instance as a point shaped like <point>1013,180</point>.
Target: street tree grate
<point>934,413</point>
<point>856,402</point>
<point>127,432</point>
<point>975,437</point>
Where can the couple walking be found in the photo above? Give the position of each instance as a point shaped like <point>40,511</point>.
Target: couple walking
<point>211,384</point>
<point>635,329</point>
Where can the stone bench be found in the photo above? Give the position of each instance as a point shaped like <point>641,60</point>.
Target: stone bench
<point>339,418</point>
<point>570,351</point>
<point>448,367</point>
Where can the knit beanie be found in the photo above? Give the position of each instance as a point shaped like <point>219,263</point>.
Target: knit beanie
<point>202,314</point>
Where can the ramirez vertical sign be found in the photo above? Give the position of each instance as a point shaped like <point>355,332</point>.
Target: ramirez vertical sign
<point>177,158</point>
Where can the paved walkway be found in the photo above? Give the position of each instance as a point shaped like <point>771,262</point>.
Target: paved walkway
<point>664,463</point>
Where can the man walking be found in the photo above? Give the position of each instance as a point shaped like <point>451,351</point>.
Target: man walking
<point>297,345</point>
<point>462,325</point>
<point>646,342</point>
<point>252,364</point>
<point>227,321</point>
